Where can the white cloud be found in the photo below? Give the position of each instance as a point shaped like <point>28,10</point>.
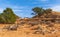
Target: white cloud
<point>44,0</point>
<point>38,1</point>
<point>15,8</point>
<point>1,10</point>
<point>56,8</point>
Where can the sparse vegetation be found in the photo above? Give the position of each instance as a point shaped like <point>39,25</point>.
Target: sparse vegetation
<point>42,23</point>
<point>8,16</point>
<point>40,11</point>
<point>11,27</point>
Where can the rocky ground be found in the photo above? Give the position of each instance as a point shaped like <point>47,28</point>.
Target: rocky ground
<point>31,28</point>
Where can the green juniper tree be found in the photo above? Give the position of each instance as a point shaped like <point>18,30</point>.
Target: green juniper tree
<point>38,11</point>
<point>8,16</point>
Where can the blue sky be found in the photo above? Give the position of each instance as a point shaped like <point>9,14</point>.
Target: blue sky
<point>23,8</point>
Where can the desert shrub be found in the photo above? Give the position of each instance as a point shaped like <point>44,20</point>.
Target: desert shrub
<point>43,21</point>
<point>11,27</point>
<point>46,16</point>
<point>38,28</point>
<point>22,22</point>
<point>53,20</point>
<point>50,25</point>
<point>6,27</point>
<point>48,22</point>
<point>33,23</point>
<point>57,21</point>
<point>39,32</point>
<point>58,16</point>
<point>53,16</point>
<point>47,11</point>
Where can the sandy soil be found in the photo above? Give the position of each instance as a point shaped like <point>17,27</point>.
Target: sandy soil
<point>23,31</point>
